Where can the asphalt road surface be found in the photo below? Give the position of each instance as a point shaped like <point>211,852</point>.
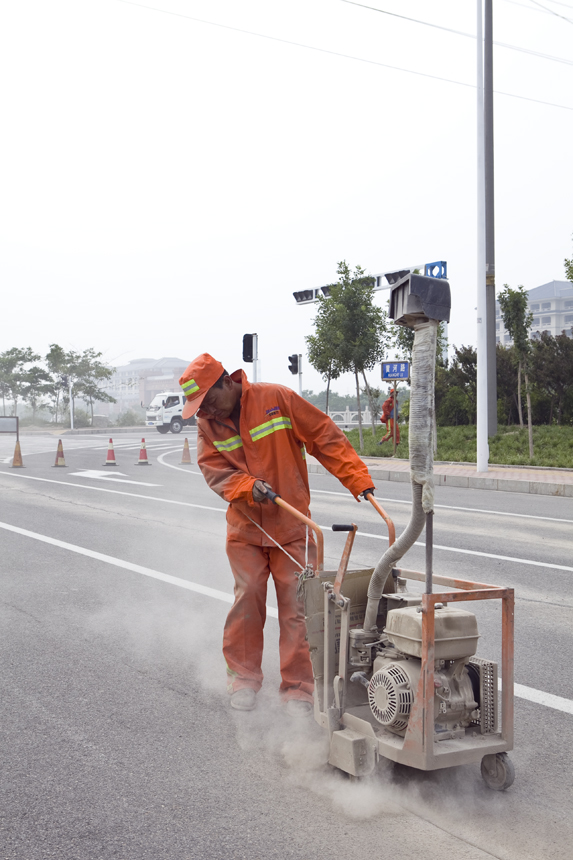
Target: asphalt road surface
<point>117,736</point>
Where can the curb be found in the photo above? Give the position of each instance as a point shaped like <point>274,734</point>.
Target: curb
<point>506,485</point>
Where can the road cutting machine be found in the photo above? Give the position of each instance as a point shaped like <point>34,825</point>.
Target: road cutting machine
<point>395,667</point>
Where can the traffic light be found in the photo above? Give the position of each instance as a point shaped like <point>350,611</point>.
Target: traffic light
<point>293,366</point>
<point>247,347</point>
<point>303,296</point>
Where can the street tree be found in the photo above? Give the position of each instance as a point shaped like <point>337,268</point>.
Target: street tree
<point>13,368</point>
<point>35,384</point>
<point>552,368</point>
<point>360,328</point>
<point>90,374</point>
<point>517,321</point>
<point>323,346</point>
<point>568,268</point>
<point>57,362</point>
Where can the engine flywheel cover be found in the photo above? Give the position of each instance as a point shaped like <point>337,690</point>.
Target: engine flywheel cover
<point>390,696</point>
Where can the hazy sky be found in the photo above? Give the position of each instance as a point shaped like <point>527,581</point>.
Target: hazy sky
<point>167,183</point>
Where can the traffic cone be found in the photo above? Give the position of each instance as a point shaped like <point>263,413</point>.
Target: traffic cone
<point>110,459</point>
<point>143,461</point>
<point>60,461</point>
<point>17,460</point>
<point>186,456</point>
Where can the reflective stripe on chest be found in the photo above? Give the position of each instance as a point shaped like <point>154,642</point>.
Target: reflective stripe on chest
<point>282,423</point>
<point>228,444</point>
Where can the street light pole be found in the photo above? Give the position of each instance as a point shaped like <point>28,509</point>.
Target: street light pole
<point>482,399</point>
<point>489,222</point>
<point>300,374</point>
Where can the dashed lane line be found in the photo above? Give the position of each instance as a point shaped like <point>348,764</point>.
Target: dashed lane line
<point>360,534</point>
<point>538,696</point>
<point>453,507</point>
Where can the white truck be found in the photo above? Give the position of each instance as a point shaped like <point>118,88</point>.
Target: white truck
<point>165,411</point>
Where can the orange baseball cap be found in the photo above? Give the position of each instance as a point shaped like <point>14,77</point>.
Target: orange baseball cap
<point>197,379</point>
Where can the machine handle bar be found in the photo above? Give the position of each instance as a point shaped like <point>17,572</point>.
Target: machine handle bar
<point>338,527</point>
<point>277,500</point>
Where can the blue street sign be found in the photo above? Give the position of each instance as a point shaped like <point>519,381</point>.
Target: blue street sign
<point>395,370</point>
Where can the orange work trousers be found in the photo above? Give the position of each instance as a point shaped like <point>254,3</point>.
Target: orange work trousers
<point>390,431</point>
<point>243,636</point>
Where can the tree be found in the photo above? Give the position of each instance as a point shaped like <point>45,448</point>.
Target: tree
<point>35,386</point>
<point>56,360</point>
<point>552,368</point>
<point>359,327</point>
<point>568,268</point>
<point>517,321</point>
<point>322,347</point>
<point>90,373</point>
<point>13,373</point>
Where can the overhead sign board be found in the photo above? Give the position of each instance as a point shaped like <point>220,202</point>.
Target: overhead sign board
<point>395,370</point>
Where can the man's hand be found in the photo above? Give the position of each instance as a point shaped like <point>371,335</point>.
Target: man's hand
<point>260,491</point>
<point>366,493</point>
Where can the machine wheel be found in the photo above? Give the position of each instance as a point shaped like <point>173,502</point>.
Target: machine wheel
<point>163,429</point>
<point>176,425</point>
<point>498,771</point>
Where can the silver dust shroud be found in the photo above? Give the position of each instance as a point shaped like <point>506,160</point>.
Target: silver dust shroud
<point>421,460</point>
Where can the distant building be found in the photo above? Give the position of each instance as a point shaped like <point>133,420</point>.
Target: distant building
<point>139,381</point>
<point>552,308</point>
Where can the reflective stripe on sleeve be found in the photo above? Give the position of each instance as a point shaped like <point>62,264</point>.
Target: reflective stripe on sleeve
<point>269,427</point>
<point>228,444</point>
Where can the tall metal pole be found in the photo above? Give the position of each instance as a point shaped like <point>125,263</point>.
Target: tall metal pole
<point>256,358</point>
<point>300,374</point>
<point>482,402</point>
<point>489,222</point>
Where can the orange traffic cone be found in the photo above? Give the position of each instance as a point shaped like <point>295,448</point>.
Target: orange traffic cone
<point>186,456</point>
<point>60,461</point>
<point>143,461</point>
<point>17,460</point>
<point>110,459</point>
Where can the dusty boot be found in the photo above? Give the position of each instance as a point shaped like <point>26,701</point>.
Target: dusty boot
<point>298,708</point>
<point>244,700</point>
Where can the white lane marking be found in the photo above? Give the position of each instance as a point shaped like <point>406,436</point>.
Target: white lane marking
<point>105,476</point>
<point>178,468</point>
<point>324,528</point>
<point>475,552</point>
<point>135,568</point>
<point>539,697</point>
<point>453,507</point>
<point>114,492</point>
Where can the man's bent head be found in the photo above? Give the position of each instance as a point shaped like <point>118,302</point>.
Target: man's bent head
<point>208,388</point>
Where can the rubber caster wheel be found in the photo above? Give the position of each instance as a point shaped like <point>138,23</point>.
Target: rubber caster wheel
<point>497,771</point>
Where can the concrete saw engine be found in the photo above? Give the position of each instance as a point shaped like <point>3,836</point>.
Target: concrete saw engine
<point>397,666</point>
<point>395,670</point>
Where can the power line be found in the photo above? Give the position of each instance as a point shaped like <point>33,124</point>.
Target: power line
<point>552,11</point>
<point>336,53</point>
<point>461,33</point>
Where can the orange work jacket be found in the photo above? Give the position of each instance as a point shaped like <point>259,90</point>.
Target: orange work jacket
<point>277,427</point>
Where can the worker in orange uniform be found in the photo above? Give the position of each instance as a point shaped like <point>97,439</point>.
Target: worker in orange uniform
<point>252,436</point>
<point>387,418</point>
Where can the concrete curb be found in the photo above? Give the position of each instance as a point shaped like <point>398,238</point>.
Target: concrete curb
<point>506,485</point>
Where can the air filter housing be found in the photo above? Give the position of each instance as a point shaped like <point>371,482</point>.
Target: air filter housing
<point>416,297</point>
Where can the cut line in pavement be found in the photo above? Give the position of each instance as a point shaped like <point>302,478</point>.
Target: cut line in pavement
<point>360,534</point>
<point>538,696</point>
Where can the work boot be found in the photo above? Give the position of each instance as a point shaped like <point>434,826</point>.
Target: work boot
<point>298,708</point>
<point>244,699</point>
